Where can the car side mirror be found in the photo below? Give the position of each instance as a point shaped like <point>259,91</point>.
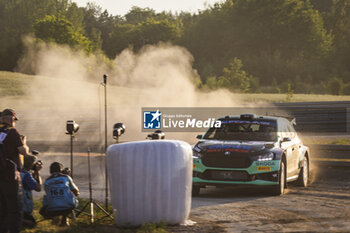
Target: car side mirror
<point>199,136</point>
<point>287,139</point>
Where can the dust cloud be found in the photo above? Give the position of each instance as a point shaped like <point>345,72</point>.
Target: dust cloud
<point>68,87</point>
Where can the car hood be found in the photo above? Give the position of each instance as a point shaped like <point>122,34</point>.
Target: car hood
<point>237,146</point>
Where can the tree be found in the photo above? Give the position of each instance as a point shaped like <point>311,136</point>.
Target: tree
<point>60,30</point>
<point>234,78</point>
<point>119,39</point>
<point>139,15</point>
<point>150,31</point>
<point>17,19</point>
<point>338,21</point>
<point>261,33</point>
<point>153,31</point>
<point>322,6</point>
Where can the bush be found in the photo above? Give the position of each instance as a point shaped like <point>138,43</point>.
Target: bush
<point>335,86</point>
<point>211,83</point>
<point>346,89</point>
<point>289,94</point>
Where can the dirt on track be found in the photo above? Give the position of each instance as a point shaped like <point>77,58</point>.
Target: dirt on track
<point>324,206</point>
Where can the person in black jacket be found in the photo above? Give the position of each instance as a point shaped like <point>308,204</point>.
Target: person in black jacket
<point>12,145</point>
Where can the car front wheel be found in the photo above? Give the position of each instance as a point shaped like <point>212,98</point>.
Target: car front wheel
<point>303,179</point>
<point>279,189</point>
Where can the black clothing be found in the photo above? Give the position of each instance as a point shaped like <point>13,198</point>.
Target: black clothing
<point>10,185</point>
<point>10,206</point>
<point>11,143</point>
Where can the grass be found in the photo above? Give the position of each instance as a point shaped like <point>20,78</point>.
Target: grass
<point>14,85</point>
<point>82,223</point>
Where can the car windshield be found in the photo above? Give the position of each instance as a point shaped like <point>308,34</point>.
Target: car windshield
<point>244,130</point>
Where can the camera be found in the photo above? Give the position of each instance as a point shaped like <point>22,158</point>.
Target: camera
<point>118,130</point>
<point>72,127</point>
<point>67,171</point>
<point>37,164</point>
<point>33,160</point>
<point>157,135</point>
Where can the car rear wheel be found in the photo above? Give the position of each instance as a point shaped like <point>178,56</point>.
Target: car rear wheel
<point>195,190</point>
<point>279,189</point>
<point>303,179</point>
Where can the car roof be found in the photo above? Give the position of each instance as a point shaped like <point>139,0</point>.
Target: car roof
<point>256,117</point>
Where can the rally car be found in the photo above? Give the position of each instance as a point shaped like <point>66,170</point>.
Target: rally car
<point>250,150</point>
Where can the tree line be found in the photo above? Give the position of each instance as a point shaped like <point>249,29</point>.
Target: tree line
<point>244,45</point>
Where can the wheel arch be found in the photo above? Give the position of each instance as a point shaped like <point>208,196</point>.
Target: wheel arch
<point>304,153</point>
<point>284,160</point>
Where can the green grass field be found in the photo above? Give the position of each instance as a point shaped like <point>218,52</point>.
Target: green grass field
<point>14,84</point>
<point>82,223</point>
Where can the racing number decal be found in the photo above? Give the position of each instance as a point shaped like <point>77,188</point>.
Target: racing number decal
<point>56,192</point>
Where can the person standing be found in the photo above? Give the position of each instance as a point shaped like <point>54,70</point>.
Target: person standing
<point>12,145</point>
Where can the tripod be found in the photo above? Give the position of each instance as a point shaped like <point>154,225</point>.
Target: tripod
<point>71,154</point>
<point>91,201</point>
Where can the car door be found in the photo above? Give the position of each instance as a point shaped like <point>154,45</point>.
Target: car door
<point>286,146</point>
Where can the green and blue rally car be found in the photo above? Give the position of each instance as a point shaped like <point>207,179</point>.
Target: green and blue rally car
<point>250,150</point>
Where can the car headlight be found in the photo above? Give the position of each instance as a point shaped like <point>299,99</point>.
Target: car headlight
<point>197,155</point>
<point>264,157</point>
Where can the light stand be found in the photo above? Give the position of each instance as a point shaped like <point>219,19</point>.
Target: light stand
<point>106,191</point>
<point>91,201</point>
<point>71,154</point>
<point>72,128</point>
<point>118,130</point>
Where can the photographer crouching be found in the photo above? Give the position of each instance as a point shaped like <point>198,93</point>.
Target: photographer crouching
<point>31,180</point>
<point>61,194</point>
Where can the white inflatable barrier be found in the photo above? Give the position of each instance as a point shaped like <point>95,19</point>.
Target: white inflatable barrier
<point>150,181</point>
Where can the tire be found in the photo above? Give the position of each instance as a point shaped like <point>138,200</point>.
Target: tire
<point>195,190</point>
<point>279,189</point>
<point>303,179</point>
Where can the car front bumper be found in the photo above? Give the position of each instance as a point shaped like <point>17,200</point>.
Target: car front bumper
<point>261,173</point>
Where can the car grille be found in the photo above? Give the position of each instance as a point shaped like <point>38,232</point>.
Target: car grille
<point>234,160</point>
<point>226,175</point>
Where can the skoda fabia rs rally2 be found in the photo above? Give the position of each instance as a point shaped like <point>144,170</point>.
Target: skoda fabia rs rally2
<point>250,150</point>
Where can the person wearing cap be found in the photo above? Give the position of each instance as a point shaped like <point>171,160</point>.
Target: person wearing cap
<point>31,180</point>
<point>12,145</point>
<point>61,194</point>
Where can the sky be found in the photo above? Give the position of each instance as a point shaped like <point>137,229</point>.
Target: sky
<point>121,7</point>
